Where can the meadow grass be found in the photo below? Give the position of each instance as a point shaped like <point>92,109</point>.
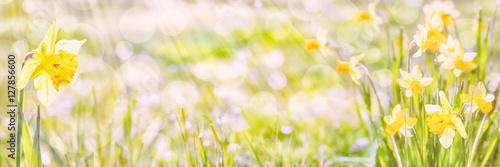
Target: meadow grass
<point>321,117</point>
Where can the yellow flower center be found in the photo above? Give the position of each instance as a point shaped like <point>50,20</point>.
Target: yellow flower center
<point>431,45</point>
<point>438,122</point>
<point>312,44</point>
<point>484,106</point>
<point>447,19</point>
<point>61,67</point>
<point>416,87</point>
<point>343,66</point>
<point>363,16</point>
<point>393,128</point>
<point>459,64</point>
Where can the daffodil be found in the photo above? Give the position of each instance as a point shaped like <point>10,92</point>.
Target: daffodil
<point>413,82</point>
<point>456,59</point>
<point>370,15</point>
<point>443,121</point>
<point>448,49</point>
<point>475,23</point>
<point>52,64</point>
<point>399,121</point>
<point>428,38</point>
<point>351,67</point>
<point>319,43</point>
<point>440,13</point>
<point>477,97</point>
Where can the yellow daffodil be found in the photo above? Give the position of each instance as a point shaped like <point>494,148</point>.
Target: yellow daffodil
<point>478,97</point>
<point>351,67</point>
<point>440,13</point>
<point>428,38</point>
<point>443,121</point>
<point>53,64</point>
<point>370,15</point>
<point>459,61</point>
<point>319,43</point>
<point>399,121</point>
<point>413,82</point>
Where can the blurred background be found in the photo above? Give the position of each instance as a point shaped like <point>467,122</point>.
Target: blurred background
<point>241,64</point>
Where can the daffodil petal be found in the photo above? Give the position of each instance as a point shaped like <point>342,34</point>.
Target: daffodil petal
<point>31,69</point>
<point>71,46</point>
<point>411,121</point>
<point>469,56</point>
<point>448,64</point>
<point>405,132</point>
<point>444,103</point>
<point>457,72</point>
<point>489,98</point>
<point>426,81</point>
<point>50,38</point>
<point>466,98</point>
<point>405,75</point>
<point>446,138</point>
<point>459,126</point>
<point>403,83</point>
<point>432,108</point>
<point>45,89</point>
<point>415,72</point>
<point>396,111</point>
<point>418,53</point>
<point>356,81</point>
<point>409,93</point>
<point>481,88</point>
<point>387,119</point>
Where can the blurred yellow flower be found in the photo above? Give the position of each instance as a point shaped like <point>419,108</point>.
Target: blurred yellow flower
<point>428,38</point>
<point>319,43</point>
<point>52,65</point>
<point>443,121</point>
<point>475,23</point>
<point>399,121</point>
<point>478,97</point>
<point>440,13</point>
<point>448,49</point>
<point>413,82</point>
<point>351,67</point>
<point>454,57</point>
<point>370,15</point>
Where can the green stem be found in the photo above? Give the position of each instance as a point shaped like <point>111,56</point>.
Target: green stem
<point>396,151</point>
<point>20,120</point>
<point>476,140</point>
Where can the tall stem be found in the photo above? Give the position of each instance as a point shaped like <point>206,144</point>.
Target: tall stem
<point>476,140</point>
<point>397,151</point>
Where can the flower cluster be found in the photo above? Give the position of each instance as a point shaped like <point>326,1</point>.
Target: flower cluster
<point>445,58</point>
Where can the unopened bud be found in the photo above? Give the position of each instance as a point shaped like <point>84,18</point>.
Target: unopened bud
<point>27,57</point>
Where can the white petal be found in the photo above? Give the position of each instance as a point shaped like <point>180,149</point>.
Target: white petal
<point>71,46</point>
<point>469,56</point>
<point>429,108</point>
<point>446,138</point>
<point>459,126</point>
<point>409,93</point>
<point>489,98</point>
<point>405,75</point>
<point>457,72</point>
<point>415,72</point>
<point>45,89</point>
<point>396,110</point>
<point>426,81</point>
